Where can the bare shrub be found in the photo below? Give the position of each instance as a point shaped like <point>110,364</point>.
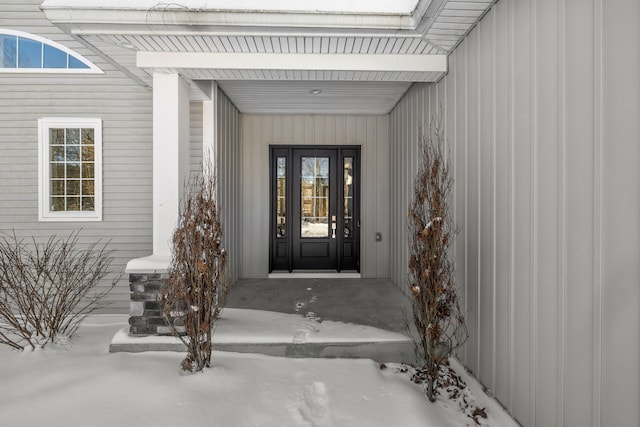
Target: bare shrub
<point>438,320</point>
<point>192,301</point>
<point>46,290</point>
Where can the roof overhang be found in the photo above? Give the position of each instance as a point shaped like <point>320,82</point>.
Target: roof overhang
<point>358,41</point>
<point>210,14</point>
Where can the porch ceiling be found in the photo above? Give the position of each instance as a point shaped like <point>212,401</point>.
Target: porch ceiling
<point>363,60</point>
<point>335,97</point>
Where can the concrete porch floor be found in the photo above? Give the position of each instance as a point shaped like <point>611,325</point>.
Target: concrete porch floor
<point>360,303</point>
<point>373,302</point>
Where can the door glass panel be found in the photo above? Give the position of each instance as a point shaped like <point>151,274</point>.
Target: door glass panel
<point>314,197</point>
<point>348,197</point>
<point>281,197</point>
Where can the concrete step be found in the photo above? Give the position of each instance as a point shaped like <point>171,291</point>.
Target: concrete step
<point>285,335</point>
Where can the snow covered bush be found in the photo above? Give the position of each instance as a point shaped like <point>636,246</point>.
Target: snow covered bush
<point>46,290</point>
<point>438,320</point>
<point>194,297</point>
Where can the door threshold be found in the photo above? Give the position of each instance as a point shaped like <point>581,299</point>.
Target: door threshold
<point>317,274</point>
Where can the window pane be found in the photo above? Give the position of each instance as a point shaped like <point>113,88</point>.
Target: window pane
<point>29,53</point>
<point>73,153</point>
<point>73,136</point>
<point>314,187</point>
<point>57,153</point>
<point>348,196</point>
<point>73,187</point>
<point>57,170</point>
<point>56,136</point>
<point>322,187</point>
<point>8,49</point>
<point>87,136</point>
<point>57,204</point>
<point>281,197</point>
<point>73,203</point>
<point>322,164</point>
<point>308,168</point>
<point>57,188</point>
<point>54,58</point>
<point>88,170</point>
<point>75,63</point>
<point>73,170</point>
<point>88,187</point>
<point>87,154</point>
<point>88,204</point>
<point>348,228</point>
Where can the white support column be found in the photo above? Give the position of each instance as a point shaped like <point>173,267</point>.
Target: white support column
<point>170,156</point>
<point>210,132</point>
<point>170,170</point>
<point>170,165</point>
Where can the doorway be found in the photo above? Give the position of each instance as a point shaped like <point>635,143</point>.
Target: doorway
<point>314,208</point>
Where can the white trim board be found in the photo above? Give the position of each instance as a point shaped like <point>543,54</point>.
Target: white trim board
<point>293,61</point>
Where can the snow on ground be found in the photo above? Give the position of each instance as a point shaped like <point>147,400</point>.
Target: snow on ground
<point>83,385</point>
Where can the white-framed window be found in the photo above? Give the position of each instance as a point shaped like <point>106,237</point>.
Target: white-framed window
<point>70,169</point>
<point>22,52</point>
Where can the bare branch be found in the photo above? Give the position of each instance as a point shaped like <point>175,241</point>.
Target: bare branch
<point>197,288</point>
<point>438,320</point>
<point>46,290</point>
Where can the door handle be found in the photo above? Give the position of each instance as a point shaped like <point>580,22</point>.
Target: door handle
<point>334,226</point>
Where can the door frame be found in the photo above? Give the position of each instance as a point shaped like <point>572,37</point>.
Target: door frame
<point>281,248</point>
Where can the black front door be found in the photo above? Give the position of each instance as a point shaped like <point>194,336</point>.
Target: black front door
<point>314,208</point>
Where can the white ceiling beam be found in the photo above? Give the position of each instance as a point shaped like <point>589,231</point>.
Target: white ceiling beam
<point>295,61</point>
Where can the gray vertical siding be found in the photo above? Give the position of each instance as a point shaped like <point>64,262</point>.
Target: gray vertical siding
<point>227,119</point>
<point>542,103</point>
<point>125,110</point>
<point>615,279</point>
<point>259,131</point>
<point>228,148</point>
<point>195,132</point>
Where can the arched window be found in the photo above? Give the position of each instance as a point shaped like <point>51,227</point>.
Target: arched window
<point>23,52</point>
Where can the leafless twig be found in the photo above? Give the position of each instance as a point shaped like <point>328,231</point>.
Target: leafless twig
<point>438,320</point>
<point>46,290</point>
<point>197,286</point>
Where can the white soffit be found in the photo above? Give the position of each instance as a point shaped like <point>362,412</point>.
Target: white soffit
<point>296,96</point>
<point>265,42</point>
